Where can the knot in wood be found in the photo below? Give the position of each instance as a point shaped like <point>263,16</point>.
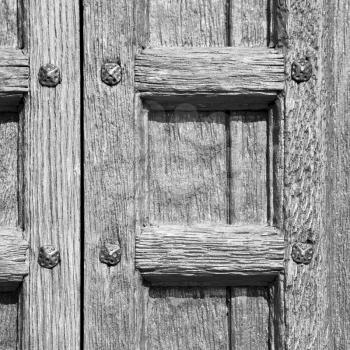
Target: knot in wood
<point>302,253</point>
<point>110,254</point>
<point>301,70</point>
<point>49,75</point>
<point>111,73</point>
<point>48,257</point>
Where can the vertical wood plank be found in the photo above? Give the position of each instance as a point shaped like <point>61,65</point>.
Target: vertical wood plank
<point>336,107</point>
<point>249,200</point>
<point>111,294</point>
<point>8,23</point>
<point>8,324</point>
<point>306,290</point>
<point>51,298</point>
<point>187,180</point>
<point>250,319</point>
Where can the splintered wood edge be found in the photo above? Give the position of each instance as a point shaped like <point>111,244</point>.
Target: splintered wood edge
<point>14,74</point>
<point>13,264</point>
<point>224,72</point>
<point>206,254</point>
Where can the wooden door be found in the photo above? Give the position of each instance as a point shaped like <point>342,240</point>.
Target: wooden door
<point>215,167</point>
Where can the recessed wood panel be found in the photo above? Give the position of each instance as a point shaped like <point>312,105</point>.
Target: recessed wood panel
<point>249,166</point>
<point>8,23</point>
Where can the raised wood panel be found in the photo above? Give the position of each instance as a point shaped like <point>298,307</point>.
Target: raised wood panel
<point>50,316</point>
<point>249,168</point>
<point>220,71</point>
<point>210,254</point>
<point>13,265</point>
<point>14,75</point>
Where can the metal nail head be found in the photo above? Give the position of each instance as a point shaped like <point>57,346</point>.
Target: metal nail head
<point>302,253</point>
<point>110,254</point>
<point>302,70</point>
<point>111,73</point>
<point>49,75</point>
<point>48,257</point>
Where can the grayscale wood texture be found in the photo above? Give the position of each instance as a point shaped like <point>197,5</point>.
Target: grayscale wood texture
<point>112,296</point>
<point>221,71</point>
<point>14,74</point>
<point>209,254</point>
<point>186,181</point>
<point>9,320</point>
<point>8,23</point>
<point>50,317</point>
<point>336,110</point>
<point>13,264</point>
<point>250,318</point>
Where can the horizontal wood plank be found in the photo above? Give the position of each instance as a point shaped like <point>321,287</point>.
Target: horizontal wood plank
<point>206,254</point>
<point>13,266</point>
<point>254,73</point>
<point>14,73</point>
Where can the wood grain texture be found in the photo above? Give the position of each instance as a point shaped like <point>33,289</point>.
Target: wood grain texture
<point>222,71</point>
<point>306,288</point>
<point>209,254</point>
<point>172,322</point>
<point>13,264</point>
<point>14,74</point>
<point>189,23</point>
<point>250,319</point>
<point>250,23</point>
<point>186,152</point>
<point>186,166</point>
<point>14,71</point>
<point>8,169</point>
<point>9,320</point>
<point>336,106</point>
<point>112,299</point>
<point>249,167</point>
<point>8,23</point>
<point>51,298</point>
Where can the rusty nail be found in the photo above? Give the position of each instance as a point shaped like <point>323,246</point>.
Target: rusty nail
<point>111,73</point>
<point>49,75</point>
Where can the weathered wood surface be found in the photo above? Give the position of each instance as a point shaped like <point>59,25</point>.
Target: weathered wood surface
<point>336,107</point>
<point>249,168</point>
<point>9,320</point>
<point>250,319</point>
<point>208,254</point>
<point>14,71</point>
<point>112,299</point>
<point>13,264</point>
<point>14,74</point>
<point>186,181</point>
<point>50,313</point>
<point>8,23</point>
<point>9,133</point>
<point>307,288</point>
<point>220,71</point>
